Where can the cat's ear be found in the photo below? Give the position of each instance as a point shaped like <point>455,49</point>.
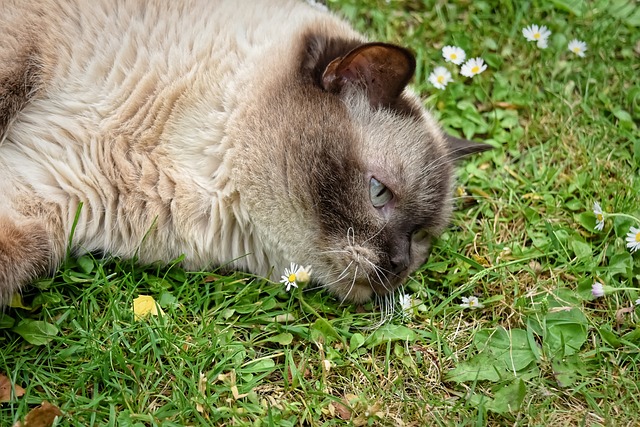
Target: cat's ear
<point>459,148</point>
<point>383,70</point>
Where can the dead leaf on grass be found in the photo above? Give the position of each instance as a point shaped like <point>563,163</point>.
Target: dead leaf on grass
<point>41,416</point>
<point>342,411</point>
<point>5,389</point>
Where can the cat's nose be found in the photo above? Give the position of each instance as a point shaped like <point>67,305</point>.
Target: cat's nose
<point>399,263</point>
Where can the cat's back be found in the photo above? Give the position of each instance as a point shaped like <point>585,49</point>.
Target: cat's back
<point>129,104</point>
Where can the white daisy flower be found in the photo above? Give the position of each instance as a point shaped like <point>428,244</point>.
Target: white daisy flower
<point>405,302</point>
<point>578,47</point>
<point>294,275</point>
<point>473,67</point>
<point>453,54</point>
<point>597,210</point>
<point>471,302</point>
<point>533,33</point>
<point>638,302</point>
<point>633,239</point>
<point>440,77</point>
<point>597,290</point>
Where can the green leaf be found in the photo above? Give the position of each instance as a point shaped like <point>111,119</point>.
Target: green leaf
<point>478,368</point>
<point>356,341</point>
<point>577,7</point>
<point>284,338</point>
<point>36,332</point>
<point>620,263</point>
<point>508,398</point>
<point>568,370</point>
<point>390,332</point>
<point>565,332</point>
<point>502,354</point>
<point>259,366</point>
<point>6,321</point>
<point>582,250</point>
<point>85,263</point>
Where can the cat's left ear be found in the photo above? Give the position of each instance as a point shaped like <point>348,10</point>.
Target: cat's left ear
<point>382,69</point>
<point>459,148</point>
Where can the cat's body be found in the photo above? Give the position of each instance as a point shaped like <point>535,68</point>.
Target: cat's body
<point>240,134</point>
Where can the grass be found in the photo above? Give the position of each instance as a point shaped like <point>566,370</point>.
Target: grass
<point>234,350</point>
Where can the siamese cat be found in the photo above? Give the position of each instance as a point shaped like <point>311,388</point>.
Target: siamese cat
<point>244,134</point>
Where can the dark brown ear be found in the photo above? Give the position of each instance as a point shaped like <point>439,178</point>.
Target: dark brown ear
<point>459,148</point>
<point>383,70</point>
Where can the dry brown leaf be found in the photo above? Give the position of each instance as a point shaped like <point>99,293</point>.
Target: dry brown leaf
<point>342,411</point>
<point>41,416</point>
<point>5,389</point>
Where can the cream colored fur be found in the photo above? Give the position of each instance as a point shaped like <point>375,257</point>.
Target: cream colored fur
<point>156,116</point>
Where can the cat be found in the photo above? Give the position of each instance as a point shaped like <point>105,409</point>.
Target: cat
<point>242,134</point>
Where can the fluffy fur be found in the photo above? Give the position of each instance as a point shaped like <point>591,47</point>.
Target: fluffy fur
<point>239,133</point>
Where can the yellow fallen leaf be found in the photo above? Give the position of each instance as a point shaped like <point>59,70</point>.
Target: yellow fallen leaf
<point>145,305</point>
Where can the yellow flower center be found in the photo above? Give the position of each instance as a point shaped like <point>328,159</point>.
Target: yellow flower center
<point>441,79</point>
<point>475,69</point>
<point>292,278</point>
<point>536,36</point>
<point>638,237</point>
<point>453,56</point>
<point>600,217</point>
<point>576,49</point>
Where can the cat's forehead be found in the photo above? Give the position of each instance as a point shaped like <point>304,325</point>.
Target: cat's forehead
<point>402,141</point>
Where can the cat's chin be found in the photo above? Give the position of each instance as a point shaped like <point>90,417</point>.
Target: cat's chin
<point>357,294</point>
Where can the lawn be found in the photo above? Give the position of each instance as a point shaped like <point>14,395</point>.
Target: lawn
<point>546,346</point>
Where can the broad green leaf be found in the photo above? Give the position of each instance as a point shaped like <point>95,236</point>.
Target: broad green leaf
<point>581,249</point>
<point>85,263</point>
<point>6,321</point>
<point>510,348</point>
<point>36,332</point>
<point>284,338</point>
<point>389,332</point>
<point>508,398</point>
<point>620,263</point>
<point>479,368</point>
<point>577,7</point>
<point>259,366</point>
<point>356,341</point>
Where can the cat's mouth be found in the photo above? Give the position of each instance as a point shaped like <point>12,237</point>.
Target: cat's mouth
<point>362,277</point>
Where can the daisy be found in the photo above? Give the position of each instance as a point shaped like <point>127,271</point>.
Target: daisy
<point>440,77</point>
<point>472,67</point>
<point>638,302</point>
<point>533,33</point>
<point>294,275</point>
<point>578,47</point>
<point>597,210</point>
<point>633,239</point>
<point>597,290</point>
<point>471,302</point>
<point>453,54</point>
<point>405,302</point>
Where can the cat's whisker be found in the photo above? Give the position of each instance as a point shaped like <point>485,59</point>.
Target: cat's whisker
<point>351,233</point>
<point>342,275</point>
<point>353,283</point>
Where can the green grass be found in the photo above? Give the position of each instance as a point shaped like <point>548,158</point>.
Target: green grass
<point>233,350</point>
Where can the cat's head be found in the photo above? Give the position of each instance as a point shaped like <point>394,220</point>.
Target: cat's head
<point>360,176</point>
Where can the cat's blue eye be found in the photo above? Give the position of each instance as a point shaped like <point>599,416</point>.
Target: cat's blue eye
<point>379,194</point>
<point>420,235</point>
